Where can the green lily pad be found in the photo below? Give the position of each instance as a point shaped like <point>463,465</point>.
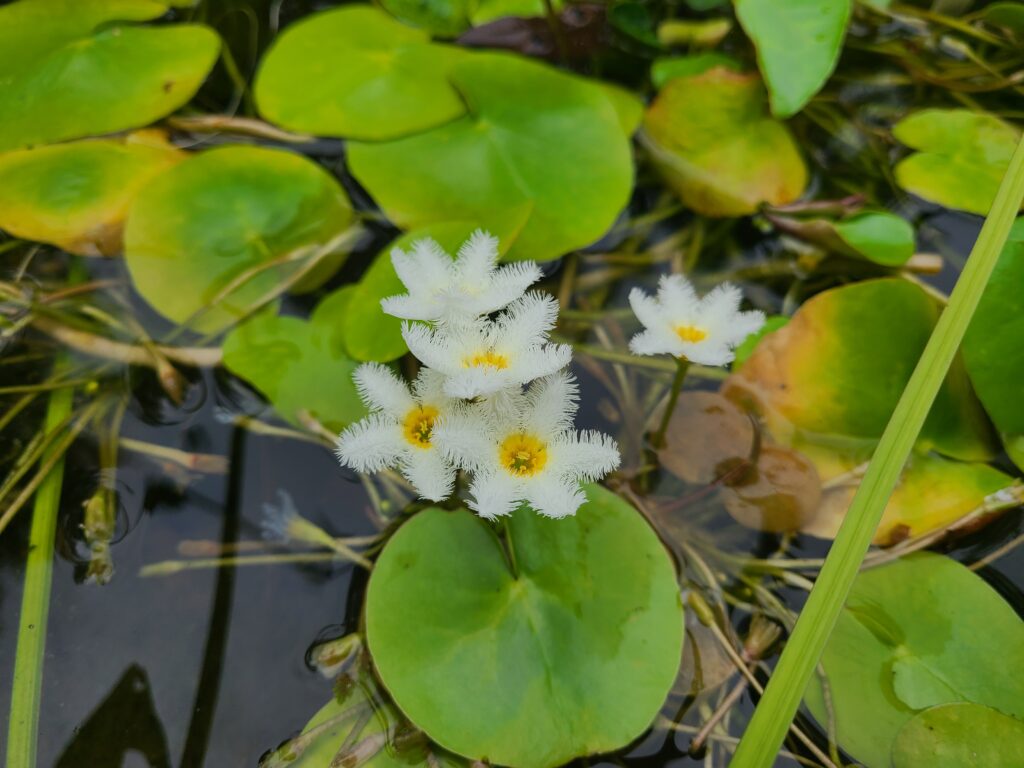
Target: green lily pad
<point>667,67</point>
<point>76,195</point>
<point>300,366</point>
<point>1008,16</point>
<point>547,145</point>
<point>65,72</point>
<point>220,216</point>
<point>798,44</point>
<point>444,18</point>
<point>962,156</point>
<point>363,75</point>
<point>961,735</point>
<point>877,236</point>
<point>491,10</point>
<point>369,333</point>
<point>573,657</point>
<point>992,346</point>
<point>714,142</point>
<point>921,631</point>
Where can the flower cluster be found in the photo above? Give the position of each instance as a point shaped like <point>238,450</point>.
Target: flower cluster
<point>491,398</point>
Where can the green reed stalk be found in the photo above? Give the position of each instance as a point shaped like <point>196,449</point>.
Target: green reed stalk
<point>782,697</point>
<point>23,725</point>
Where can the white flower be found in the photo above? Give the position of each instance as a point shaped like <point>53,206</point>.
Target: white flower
<point>399,430</point>
<point>678,323</point>
<point>443,290</point>
<point>487,356</point>
<point>531,454</point>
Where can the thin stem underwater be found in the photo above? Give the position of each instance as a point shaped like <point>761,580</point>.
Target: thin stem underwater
<point>778,706</point>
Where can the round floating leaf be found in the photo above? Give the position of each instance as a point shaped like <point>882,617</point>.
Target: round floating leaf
<point>961,735</point>
<point>1007,16</point>
<point>840,364</point>
<point>573,657</point>
<point>76,195</point>
<point>221,216</point>
<point>66,73</point>
<point>878,236</point>
<point>444,18</point>
<point>918,632</point>
<point>492,10</point>
<point>299,365</point>
<point>992,347</point>
<point>961,160</point>
<point>798,44</point>
<point>363,75</point>
<point>536,141</point>
<point>746,349</point>
<point>712,139</point>
<point>369,333</point>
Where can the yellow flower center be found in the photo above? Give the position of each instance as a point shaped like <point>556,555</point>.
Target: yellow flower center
<point>488,357</point>
<point>419,425</point>
<point>691,333</point>
<point>523,455</point>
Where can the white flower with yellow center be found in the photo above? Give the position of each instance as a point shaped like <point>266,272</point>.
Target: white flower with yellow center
<point>489,356</point>
<point>529,453</point>
<point>701,330</point>
<point>445,290</point>
<point>399,431</point>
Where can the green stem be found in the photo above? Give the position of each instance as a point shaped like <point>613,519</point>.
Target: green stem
<point>779,704</point>
<point>682,365</point>
<point>26,691</point>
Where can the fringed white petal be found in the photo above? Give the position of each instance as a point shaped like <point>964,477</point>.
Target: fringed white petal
<point>525,323</point>
<point>409,307</point>
<point>554,497</point>
<point>494,494</point>
<point>655,341</point>
<point>584,456</point>
<point>371,444</point>
<point>646,308</point>
<point>551,404</point>
<point>676,294</point>
<point>465,438</point>
<point>507,284</point>
<point>477,259</point>
<point>541,361</point>
<point>429,387</point>
<point>430,474</point>
<point>433,348</point>
<point>381,390</point>
<point>709,352</point>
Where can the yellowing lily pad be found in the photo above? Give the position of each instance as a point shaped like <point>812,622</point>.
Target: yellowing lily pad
<point>798,44</point>
<point>355,72</point>
<point>76,195</point>
<point>536,142</point>
<point>826,384</point>
<point>300,366</point>
<point>962,156</point>
<point>877,236</point>
<point>959,735</point>
<point>573,655</point>
<point>712,139</point>
<point>66,72</point>
<point>916,633</point>
<point>993,349</point>
<point>215,224</point>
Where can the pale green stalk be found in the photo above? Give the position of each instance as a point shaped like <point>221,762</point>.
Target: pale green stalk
<point>23,725</point>
<point>778,706</point>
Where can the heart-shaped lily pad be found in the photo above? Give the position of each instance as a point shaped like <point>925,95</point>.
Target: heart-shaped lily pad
<point>363,75</point>
<point>798,44</point>
<point>961,735</point>
<point>826,384</point>
<point>369,333</point>
<point>573,656</point>
<point>203,227</point>
<point>992,347</point>
<point>915,633</point>
<point>713,140</point>
<point>300,366</point>
<point>962,156</point>
<point>65,72</point>
<point>76,195</point>
<point>669,67</point>
<point>537,141</point>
